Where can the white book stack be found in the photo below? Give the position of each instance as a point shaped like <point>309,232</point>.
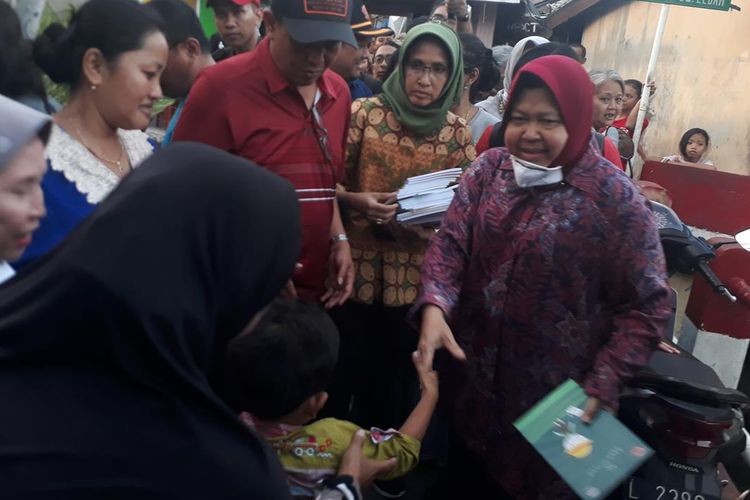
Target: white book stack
<point>424,199</point>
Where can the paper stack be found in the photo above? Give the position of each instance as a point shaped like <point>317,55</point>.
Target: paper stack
<point>424,199</point>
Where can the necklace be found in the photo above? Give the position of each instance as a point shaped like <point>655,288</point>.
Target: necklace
<point>466,116</point>
<point>117,163</point>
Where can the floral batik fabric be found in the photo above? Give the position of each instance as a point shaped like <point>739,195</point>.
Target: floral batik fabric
<point>541,285</point>
<point>381,155</point>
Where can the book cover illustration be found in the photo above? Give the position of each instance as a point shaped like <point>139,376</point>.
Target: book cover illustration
<point>593,459</point>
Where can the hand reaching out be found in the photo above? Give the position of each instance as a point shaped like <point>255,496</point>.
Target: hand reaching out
<point>340,282</point>
<point>435,334</point>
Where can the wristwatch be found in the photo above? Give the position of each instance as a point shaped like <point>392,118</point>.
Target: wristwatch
<point>338,238</point>
<point>466,17</point>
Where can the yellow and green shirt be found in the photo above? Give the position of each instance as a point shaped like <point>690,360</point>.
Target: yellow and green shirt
<point>312,452</point>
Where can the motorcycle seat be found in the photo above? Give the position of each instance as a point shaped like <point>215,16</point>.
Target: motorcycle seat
<point>686,378</point>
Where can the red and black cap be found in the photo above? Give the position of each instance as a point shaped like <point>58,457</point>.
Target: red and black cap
<point>362,25</point>
<point>312,21</point>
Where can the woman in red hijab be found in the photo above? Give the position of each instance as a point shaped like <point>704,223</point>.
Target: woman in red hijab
<point>548,266</point>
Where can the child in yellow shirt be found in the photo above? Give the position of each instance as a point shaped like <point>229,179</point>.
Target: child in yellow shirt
<point>279,370</point>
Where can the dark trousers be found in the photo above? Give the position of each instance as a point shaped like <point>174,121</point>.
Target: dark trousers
<point>465,476</point>
<point>375,383</point>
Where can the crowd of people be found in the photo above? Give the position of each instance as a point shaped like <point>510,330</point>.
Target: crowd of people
<point>222,313</point>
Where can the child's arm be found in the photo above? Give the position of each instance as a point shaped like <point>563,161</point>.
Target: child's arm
<point>633,116</point>
<point>417,423</point>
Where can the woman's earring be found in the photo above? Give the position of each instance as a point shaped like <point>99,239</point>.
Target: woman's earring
<point>93,87</point>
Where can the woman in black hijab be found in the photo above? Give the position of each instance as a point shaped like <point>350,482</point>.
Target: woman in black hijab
<point>107,345</point>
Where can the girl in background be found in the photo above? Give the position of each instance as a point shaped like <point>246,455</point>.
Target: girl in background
<point>693,150</point>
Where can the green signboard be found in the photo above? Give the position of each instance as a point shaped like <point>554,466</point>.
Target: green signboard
<point>207,18</point>
<point>701,4</point>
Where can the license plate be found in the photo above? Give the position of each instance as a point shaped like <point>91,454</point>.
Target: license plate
<point>639,489</point>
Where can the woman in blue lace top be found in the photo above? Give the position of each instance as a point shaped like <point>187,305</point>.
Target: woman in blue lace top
<point>111,55</point>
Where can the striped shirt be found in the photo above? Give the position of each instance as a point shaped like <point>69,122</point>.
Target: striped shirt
<point>245,106</point>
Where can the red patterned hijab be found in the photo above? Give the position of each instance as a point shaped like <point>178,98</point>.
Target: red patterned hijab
<point>570,85</point>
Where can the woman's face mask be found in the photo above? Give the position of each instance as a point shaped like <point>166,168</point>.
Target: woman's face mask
<point>528,174</point>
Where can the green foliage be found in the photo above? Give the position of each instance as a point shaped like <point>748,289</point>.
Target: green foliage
<point>60,93</point>
<point>162,104</point>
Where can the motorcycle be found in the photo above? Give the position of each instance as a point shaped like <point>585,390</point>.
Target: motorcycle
<point>679,406</point>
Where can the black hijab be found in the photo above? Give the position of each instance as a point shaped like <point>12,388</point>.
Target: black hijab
<point>107,344</point>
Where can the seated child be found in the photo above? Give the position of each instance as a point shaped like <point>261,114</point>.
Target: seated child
<point>279,370</point>
<point>693,148</point>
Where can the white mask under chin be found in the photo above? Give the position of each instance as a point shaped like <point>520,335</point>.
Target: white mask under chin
<point>529,174</point>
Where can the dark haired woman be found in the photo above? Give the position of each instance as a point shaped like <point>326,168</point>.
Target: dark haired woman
<point>481,74</point>
<point>19,78</point>
<point>111,55</point>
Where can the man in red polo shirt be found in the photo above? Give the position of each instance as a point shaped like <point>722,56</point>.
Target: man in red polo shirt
<point>280,107</point>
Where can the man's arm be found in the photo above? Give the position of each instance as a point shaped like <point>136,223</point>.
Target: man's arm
<point>337,225</point>
<point>460,9</point>
<point>340,282</point>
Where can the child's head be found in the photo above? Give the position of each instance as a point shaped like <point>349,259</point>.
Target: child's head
<point>694,144</point>
<point>283,365</point>
<point>633,93</point>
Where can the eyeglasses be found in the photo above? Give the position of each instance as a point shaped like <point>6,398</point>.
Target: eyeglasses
<point>321,133</point>
<point>383,59</point>
<point>436,71</point>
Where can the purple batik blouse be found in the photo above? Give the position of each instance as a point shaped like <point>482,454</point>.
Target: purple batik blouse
<point>540,285</point>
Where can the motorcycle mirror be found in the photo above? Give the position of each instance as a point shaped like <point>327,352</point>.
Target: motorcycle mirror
<point>665,217</point>
<point>743,239</point>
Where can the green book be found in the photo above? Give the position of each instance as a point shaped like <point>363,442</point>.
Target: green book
<point>593,459</point>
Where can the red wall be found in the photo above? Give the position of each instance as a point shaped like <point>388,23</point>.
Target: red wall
<point>707,199</point>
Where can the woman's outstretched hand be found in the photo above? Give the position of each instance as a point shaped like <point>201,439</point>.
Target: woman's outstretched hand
<point>436,334</point>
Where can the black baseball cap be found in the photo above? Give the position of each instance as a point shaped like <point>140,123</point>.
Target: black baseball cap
<point>312,21</point>
<point>20,124</point>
